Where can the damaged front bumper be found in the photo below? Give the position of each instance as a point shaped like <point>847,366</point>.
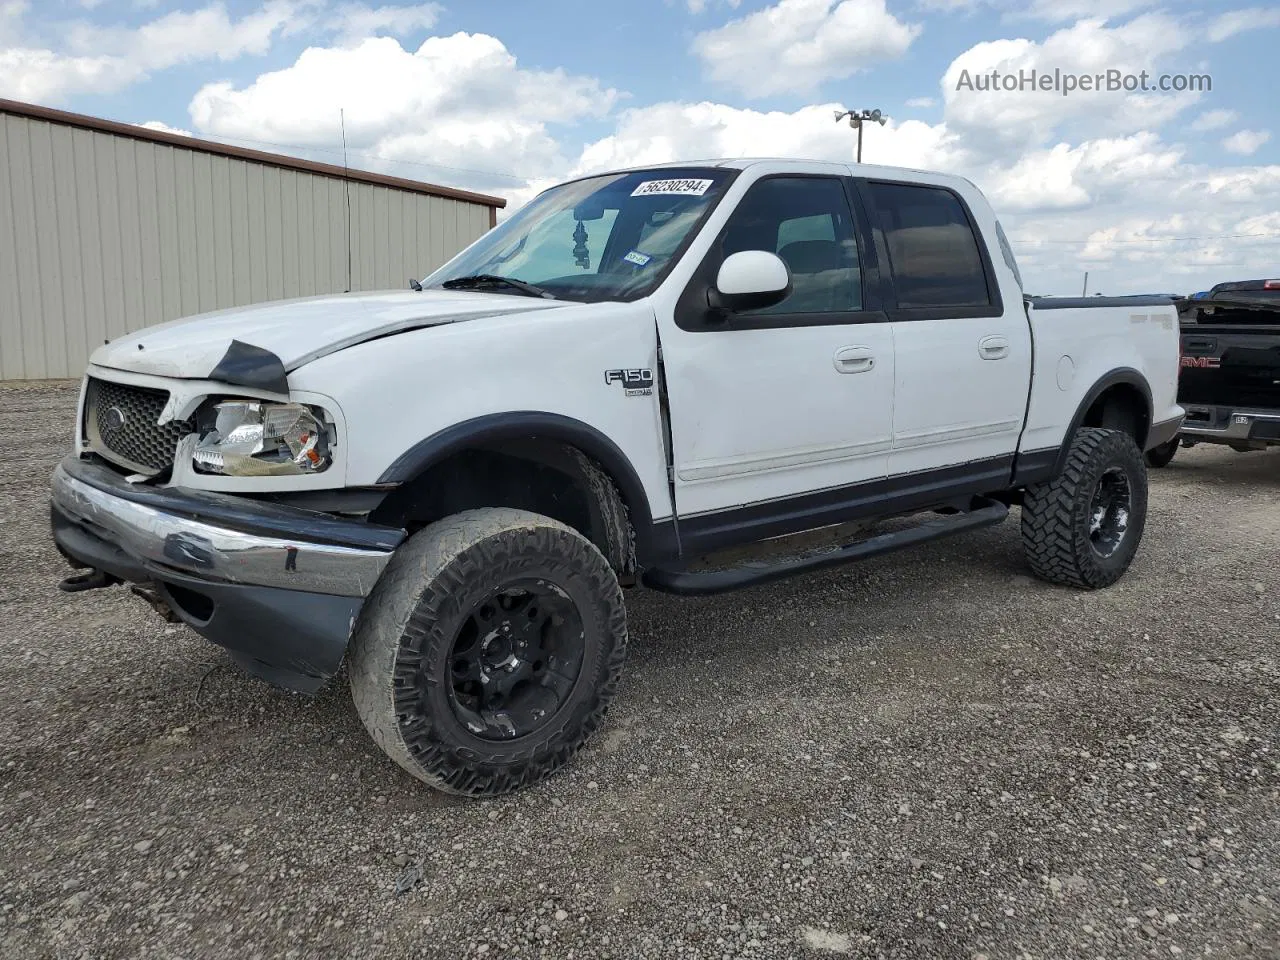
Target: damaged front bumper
<point>277,586</point>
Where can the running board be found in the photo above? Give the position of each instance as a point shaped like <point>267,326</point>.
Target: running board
<point>984,513</point>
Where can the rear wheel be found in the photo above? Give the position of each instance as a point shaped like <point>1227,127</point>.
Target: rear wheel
<point>1083,527</point>
<point>489,650</point>
<point>1162,455</point>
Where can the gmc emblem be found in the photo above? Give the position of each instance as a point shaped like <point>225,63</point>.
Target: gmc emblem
<point>1204,363</point>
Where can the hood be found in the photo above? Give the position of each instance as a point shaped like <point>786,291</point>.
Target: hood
<point>298,331</point>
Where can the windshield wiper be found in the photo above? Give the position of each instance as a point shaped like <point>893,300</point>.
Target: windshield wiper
<point>479,280</point>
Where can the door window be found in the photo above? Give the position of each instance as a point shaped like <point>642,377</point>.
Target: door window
<point>807,222</point>
<point>933,253</point>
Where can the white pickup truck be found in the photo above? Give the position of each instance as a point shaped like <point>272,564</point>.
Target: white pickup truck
<point>447,485</point>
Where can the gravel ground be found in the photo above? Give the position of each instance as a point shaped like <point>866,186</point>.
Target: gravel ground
<point>925,755</point>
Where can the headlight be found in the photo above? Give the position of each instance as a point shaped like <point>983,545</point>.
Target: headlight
<point>246,438</point>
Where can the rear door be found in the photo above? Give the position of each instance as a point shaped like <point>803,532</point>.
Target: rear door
<point>962,355</point>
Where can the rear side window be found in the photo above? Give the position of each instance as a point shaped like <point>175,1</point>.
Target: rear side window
<point>933,253</point>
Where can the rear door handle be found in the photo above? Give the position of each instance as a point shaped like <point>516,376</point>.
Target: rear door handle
<point>854,360</point>
<point>993,348</point>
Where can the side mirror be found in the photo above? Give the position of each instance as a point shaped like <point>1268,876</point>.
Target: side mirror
<point>750,280</point>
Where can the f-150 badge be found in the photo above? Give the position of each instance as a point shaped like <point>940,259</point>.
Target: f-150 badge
<point>635,383</point>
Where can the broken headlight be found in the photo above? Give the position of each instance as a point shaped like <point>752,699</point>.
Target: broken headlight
<point>249,438</point>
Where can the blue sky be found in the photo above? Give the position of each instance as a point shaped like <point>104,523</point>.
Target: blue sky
<point>508,96</point>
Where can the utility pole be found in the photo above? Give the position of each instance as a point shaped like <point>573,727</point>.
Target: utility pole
<point>856,119</point>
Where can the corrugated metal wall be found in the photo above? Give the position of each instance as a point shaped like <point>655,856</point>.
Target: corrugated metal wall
<point>101,235</point>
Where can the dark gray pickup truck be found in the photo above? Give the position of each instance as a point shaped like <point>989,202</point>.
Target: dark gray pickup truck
<point>1229,381</point>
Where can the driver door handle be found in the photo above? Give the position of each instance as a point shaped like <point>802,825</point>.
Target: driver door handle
<point>993,348</point>
<point>854,360</point>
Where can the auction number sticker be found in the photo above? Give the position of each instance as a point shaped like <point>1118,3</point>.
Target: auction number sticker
<point>682,188</point>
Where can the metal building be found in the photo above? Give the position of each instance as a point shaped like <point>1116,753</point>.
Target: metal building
<point>106,228</point>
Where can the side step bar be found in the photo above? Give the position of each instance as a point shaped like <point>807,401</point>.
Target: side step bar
<point>984,513</point>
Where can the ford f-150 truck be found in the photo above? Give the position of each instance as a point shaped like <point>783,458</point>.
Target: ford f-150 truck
<point>447,485</point>
<point>1230,382</point>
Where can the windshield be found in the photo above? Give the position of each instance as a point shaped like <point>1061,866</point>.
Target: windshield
<point>603,238</point>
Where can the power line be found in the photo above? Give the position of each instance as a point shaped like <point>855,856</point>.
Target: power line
<point>1219,236</point>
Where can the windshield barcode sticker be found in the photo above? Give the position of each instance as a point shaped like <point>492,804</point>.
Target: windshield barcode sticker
<point>684,188</point>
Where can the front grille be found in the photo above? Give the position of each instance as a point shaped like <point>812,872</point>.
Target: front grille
<point>120,424</point>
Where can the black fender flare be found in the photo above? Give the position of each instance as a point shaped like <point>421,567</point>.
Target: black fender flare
<point>653,542</point>
<point>1121,376</point>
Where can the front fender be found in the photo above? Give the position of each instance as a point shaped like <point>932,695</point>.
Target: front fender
<point>413,397</point>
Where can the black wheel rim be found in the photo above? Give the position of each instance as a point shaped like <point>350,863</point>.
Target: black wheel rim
<point>1109,512</point>
<point>515,660</point>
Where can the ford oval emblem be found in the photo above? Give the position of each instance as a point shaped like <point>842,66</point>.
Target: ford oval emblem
<point>113,419</point>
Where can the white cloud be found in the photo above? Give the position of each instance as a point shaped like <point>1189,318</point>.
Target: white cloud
<point>102,58</point>
<point>458,101</point>
<point>42,75</point>
<point>163,127</point>
<point>1214,120</point>
<point>1090,47</point>
<point>105,59</point>
<point>922,102</point>
<point>681,131</point>
<point>1229,24</point>
<point>1245,142</point>
<point>209,33</point>
<point>794,45</point>
<point>353,22</point>
<point>1090,173</point>
<point>1140,193</point>
<point>1248,186</point>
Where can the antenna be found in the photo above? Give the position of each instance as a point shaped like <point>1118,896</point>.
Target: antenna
<point>346,187</point>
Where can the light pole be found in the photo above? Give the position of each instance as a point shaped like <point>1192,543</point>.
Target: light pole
<point>856,119</point>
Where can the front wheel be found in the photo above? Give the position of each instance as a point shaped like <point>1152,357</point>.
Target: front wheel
<point>1162,455</point>
<point>489,650</point>
<point>1083,527</point>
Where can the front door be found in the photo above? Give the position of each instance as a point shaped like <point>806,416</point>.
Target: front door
<point>781,407</point>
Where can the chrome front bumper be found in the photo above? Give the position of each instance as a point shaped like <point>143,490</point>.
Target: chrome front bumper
<point>217,538</point>
<point>280,588</point>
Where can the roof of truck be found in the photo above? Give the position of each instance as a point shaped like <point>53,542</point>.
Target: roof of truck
<point>742,163</point>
